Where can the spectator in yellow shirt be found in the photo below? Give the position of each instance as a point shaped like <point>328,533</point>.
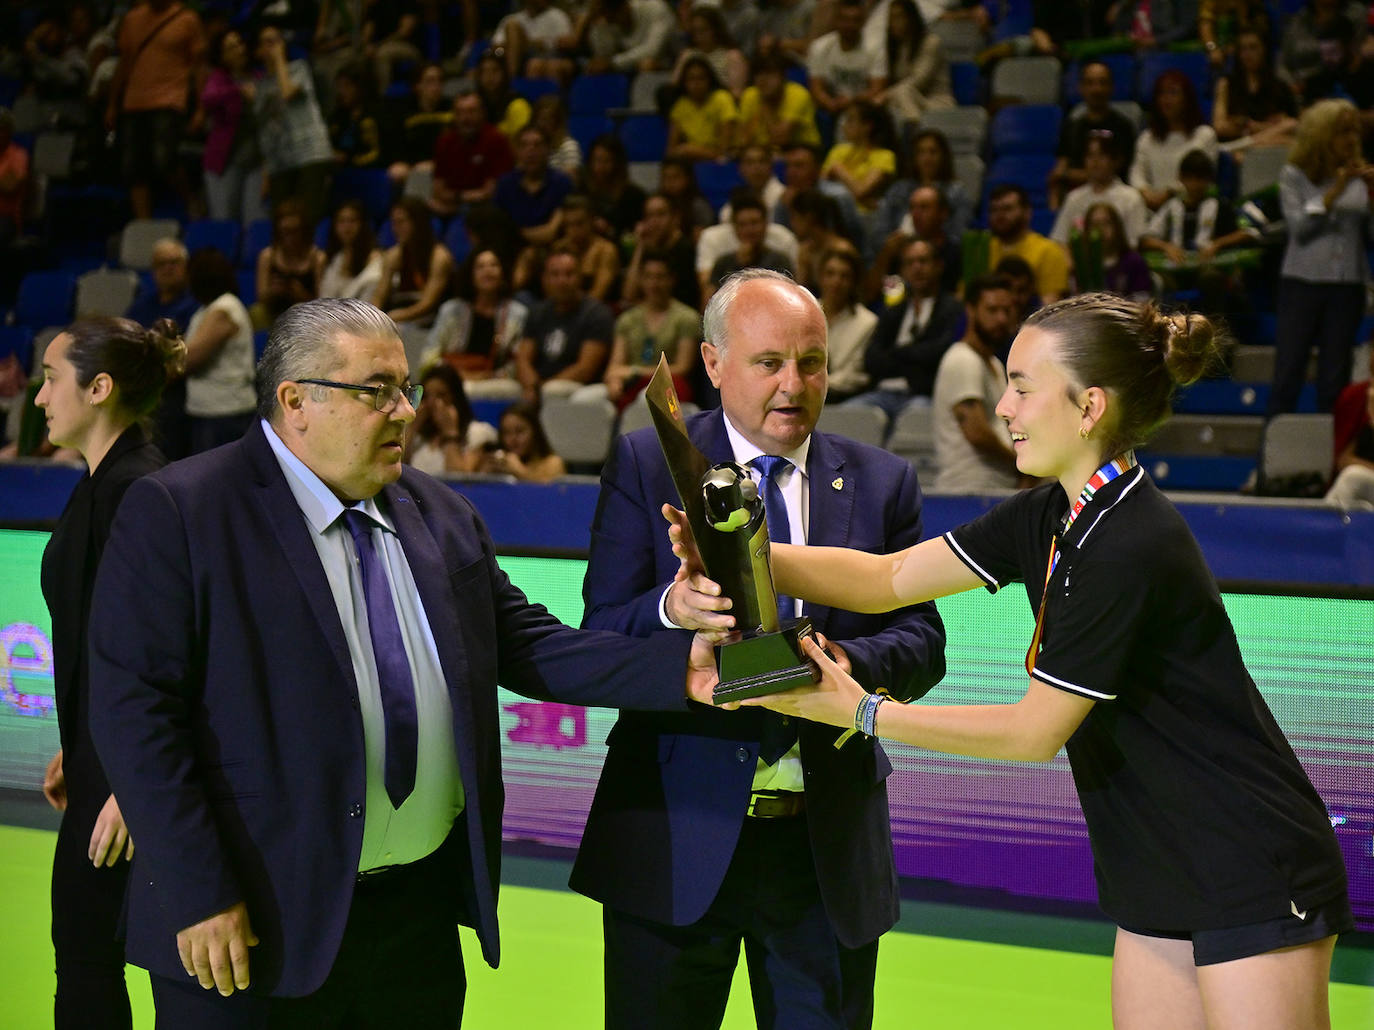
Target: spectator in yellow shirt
<point>864,163</point>
<point>775,112</point>
<point>702,122</point>
<point>1009,211</point>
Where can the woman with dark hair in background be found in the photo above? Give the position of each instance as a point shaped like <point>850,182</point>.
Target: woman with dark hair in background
<point>416,270</point>
<point>708,37</point>
<point>476,332</point>
<point>220,360</point>
<point>425,117</point>
<point>565,153</point>
<point>1250,103</point>
<point>232,163</point>
<point>353,264</point>
<point>445,438</point>
<point>1213,853</point>
<point>288,268</point>
<point>850,325</point>
<point>504,108</point>
<point>1176,127</point>
<point>1124,271</point>
<point>864,163</point>
<point>354,132</point>
<point>102,377</point>
<point>525,451</point>
<point>916,64</point>
<point>1326,191</point>
<point>617,203</point>
<point>678,183</point>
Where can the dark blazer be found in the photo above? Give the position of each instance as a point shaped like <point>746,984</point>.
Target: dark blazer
<point>673,792</point>
<point>226,711</point>
<point>916,359</point>
<point>69,565</point>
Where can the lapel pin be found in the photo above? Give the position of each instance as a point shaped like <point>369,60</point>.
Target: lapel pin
<point>837,483</point>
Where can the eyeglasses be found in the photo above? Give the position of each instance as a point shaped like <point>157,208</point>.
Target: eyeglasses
<point>384,398</point>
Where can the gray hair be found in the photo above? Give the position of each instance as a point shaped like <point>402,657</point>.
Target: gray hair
<point>716,319</point>
<point>301,343</point>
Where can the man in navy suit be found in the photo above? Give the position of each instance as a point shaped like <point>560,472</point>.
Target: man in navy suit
<point>295,649</point>
<point>711,828</point>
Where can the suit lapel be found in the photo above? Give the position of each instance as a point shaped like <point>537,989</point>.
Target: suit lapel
<point>293,536</point>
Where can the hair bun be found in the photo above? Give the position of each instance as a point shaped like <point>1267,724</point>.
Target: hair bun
<point>165,338</point>
<point>1191,345</point>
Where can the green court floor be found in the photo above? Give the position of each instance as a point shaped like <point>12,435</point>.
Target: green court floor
<point>551,969</point>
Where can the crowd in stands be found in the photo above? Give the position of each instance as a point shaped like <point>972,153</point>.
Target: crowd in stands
<point>544,195</point>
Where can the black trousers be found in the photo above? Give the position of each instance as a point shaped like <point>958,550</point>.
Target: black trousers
<point>1324,315</point>
<point>399,966</point>
<point>86,907</point>
<point>801,977</point>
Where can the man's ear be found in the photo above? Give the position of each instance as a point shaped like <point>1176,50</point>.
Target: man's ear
<point>291,403</point>
<point>710,357</point>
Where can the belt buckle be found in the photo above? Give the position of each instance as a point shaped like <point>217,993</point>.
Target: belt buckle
<point>775,804</point>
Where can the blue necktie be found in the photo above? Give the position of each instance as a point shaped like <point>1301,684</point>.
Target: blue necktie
<point>779,732</point>
<point>393,666</point>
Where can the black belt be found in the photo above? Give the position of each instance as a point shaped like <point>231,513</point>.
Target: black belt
<point>776,804</point>
<point>380,875</point>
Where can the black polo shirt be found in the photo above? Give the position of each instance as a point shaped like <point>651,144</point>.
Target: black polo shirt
<point>1199,814</point>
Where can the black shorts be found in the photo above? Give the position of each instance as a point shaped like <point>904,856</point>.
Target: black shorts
<point>1211,947</point>
<point>149,143</point>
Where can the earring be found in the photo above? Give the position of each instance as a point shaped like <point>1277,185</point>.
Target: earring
<point>1083,431</point>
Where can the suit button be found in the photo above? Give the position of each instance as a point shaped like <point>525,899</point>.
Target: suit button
<point>742,755</point>
<point>356,811</point>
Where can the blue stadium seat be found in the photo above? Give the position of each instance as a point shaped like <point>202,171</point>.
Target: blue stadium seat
<point>1192,64</point>
<point>1231,397</point>
<point>532,89</point>
<point>257,235</point>
<point>1017,20</point>
<point>797,73</point>
<point>645,137</point>
<point>322,231</point>
<point>370,185</point>
<point>259,343</point>
<point>221,233</point>
<point>586,127</point>
<point>248,285</point>
<point>967,83</point>
<point>595,94</point>
<point>716,179</point>
<point>1042,220</point>
<point>1026,170</point>
<point>456,239</point>
<point>1198,472</point>
<point>45,299</point>
<point>17,340</point>
<point>1025,129</point>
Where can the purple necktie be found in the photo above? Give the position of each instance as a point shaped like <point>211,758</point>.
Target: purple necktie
<point>779,732</point>
<point>393,667</point>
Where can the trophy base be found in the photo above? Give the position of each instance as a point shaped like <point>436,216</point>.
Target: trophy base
<point>764,663</point>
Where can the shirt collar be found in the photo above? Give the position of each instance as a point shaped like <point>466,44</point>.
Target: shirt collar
<point>745,452</point>
<point>317,502</point>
